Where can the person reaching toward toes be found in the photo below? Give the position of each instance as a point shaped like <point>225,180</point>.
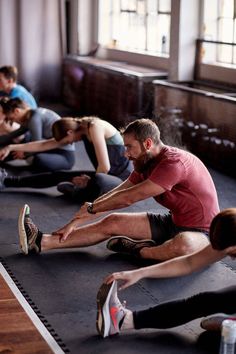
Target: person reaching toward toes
<point>175,178</point>
<point>214,306</point>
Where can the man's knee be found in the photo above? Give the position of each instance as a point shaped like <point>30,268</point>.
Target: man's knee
<point>184,243</point>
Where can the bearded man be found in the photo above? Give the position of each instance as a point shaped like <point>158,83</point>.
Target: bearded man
<point>175,178</point>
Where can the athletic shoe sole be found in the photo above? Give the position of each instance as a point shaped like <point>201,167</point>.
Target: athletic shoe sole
<point>21,229</point>
<point>214,322</point>
<point>103,322</point>
<point>149,242</point>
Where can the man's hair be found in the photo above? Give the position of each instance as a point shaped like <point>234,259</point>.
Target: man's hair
<point>223,229</point>
<point>10,72</point>
<point>143,129</point>
<point>12,104</point>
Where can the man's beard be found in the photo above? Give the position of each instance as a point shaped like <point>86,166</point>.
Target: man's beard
<point>142,163</point>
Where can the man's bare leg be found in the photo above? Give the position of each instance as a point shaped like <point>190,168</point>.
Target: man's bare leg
<point>184,243</point>
<point>134,225</point>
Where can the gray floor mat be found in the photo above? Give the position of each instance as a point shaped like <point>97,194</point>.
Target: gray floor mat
<point>62,285</point>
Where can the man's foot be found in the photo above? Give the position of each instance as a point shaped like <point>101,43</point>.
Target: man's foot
<point>3,175</point>
<point>126,245</point>
<point>110,311</point>
<point>214,322</point>
<point>29,235</point>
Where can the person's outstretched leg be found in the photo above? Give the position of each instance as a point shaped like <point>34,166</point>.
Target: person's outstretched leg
<point>178,312</point>
<point>113,317</point>
<point>135,225</point>
<point>39,180</point>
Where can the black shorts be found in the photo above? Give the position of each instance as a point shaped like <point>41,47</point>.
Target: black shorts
<point>163,228</point>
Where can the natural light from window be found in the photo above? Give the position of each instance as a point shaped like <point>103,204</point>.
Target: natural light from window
<point>141,26</point>
<point>219,24</point>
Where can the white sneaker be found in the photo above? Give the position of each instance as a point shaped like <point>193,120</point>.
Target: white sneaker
<point>110,311</point>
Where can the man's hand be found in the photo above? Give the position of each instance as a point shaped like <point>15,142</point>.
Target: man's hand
<point>65,231</point>
<point>4,152</point>
<point>128,278</point>
<point>83,213</point>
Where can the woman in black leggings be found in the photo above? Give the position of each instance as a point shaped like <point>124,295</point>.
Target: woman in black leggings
<point>104,146</point>
<point>221,303</point>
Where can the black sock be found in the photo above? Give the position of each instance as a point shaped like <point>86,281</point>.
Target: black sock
<point>39,239</point>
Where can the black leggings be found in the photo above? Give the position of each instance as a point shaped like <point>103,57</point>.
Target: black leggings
<point>53,160</point>
<point>177,312</point>
<point>42,180</point>
<point>99,184</point>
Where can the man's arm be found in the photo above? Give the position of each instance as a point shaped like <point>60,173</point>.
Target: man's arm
<point>126,184</point>
<point>123,197</point>
<point>172,268</point>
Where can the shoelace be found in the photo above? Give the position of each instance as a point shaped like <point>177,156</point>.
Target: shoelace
<point>31,229</point>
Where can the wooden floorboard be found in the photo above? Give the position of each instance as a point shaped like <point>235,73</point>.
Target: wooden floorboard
<point>18,334</point>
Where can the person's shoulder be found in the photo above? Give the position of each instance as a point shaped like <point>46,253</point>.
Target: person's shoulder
<point>20,88</point>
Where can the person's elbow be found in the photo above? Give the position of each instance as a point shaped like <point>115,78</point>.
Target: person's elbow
<point>103,169</point>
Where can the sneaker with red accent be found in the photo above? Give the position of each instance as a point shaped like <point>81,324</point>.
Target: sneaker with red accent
<point>110,311</point>
<point>214,322</point>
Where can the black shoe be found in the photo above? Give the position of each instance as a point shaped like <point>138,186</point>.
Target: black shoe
<point>126,245</point>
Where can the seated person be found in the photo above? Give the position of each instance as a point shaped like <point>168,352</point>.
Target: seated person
<point>38,122</point>
<point>9,132</point>
<point>105,148</point>
<point>10,88</point>
<point>216,305</point>
<point>175,178</point>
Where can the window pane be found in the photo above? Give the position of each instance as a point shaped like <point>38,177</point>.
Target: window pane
<point>152,7</point>
<point>134,25</point>
<point>226,8</point>
<point>218,25</point>
<point>164,5</point>
<point>226,30</point>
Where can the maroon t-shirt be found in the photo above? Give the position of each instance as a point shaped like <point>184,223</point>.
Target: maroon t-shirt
<point>190,192</point>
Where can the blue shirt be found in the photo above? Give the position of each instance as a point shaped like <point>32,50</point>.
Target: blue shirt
<point>20,92</point>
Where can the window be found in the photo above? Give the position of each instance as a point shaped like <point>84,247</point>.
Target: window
<point>141,26</point>
<point>219,25</point>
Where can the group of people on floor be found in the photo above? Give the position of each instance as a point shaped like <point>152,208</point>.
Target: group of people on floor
<point>194,234</point>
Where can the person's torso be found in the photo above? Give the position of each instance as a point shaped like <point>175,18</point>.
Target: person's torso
<point>40,126</point>
<point>120,166</point>
<point>190,193</point>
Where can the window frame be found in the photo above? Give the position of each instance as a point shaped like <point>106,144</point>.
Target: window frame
<point>135,56</point>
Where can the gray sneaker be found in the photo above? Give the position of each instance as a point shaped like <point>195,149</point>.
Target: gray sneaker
<point>110,311</point>
<point>126,245</point>
<point>214,322</point>
<point>29,235</point>
<point>3,175</point>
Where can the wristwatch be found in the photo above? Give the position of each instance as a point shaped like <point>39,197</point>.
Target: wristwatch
<point>90,208</point>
